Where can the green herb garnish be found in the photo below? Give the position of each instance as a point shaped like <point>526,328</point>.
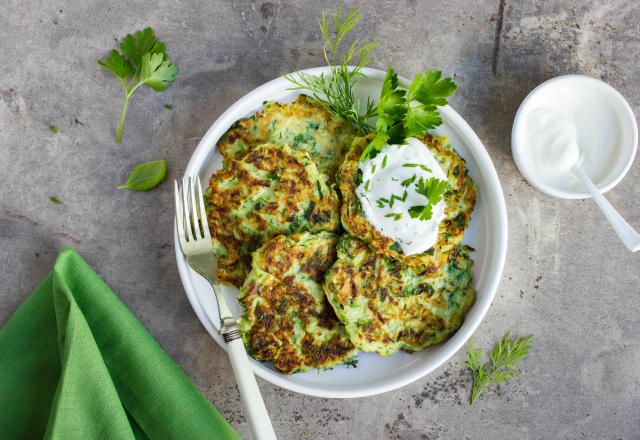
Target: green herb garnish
<point>397,119</point>
<point>335,90</point>
<point>55,200</point>
<point>414,165</point>
<point>351,362</point>
<point>391,200</point>
<point>409,181</point>
<point>146,175</point>
<point>168,106</point>
<point>366,185</point>
<point>143,60</point>
<point>384,162</point>
<point>421,212</point>
<point>395,216</point>
<point>505,356</point>
<point>432,189</point>
<point>53,129</point>
<point>395,197</point>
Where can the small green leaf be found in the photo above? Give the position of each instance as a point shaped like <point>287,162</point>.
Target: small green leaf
<point>55,200</point>
<point>117,64</point>
<point>157,72</point>
<point>141,42</point>
<point>421,212</point>
<point>146,175</point>
<point>168,106</point>
<point>421,119</point>
<point>432,188</point>
<point>53,129</point>
<point>429,88</point>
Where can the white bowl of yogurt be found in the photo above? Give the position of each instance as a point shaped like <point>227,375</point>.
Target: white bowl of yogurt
<point>574,109</point>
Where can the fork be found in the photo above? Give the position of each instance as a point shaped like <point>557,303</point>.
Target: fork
<point>195,241</point>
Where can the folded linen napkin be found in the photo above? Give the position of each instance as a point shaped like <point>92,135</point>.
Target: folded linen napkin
<point>75,363</point>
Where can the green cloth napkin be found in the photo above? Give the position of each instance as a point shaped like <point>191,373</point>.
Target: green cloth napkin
<point>75,363</point>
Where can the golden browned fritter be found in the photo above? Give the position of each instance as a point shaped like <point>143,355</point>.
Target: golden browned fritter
<point>273,190</point>
<point>459,203</point>
<point>386,306</point>
<point>287,318</point>
<point>303,125</point>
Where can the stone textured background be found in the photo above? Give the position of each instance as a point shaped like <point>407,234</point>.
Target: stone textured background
<point>568,280</point>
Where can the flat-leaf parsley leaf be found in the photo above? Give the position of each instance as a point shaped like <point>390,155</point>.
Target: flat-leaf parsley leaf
<point>432,188</point>
<point>421,212</point>
<point>398,119</point>
<point>143,60</point>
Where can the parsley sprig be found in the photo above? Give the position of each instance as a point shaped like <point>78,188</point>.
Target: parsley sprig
<point>142,60</point>
<point>398,119</point>
<point>505,356</point>
<point>432,189</point>
<point>336,90</point>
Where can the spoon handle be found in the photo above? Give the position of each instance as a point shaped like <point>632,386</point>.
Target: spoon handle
<point>627,234</point>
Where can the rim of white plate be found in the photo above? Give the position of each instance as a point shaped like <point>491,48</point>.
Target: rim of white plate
<point>472,320</point>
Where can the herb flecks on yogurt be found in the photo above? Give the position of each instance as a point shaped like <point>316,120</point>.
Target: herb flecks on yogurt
<point>397,199</point>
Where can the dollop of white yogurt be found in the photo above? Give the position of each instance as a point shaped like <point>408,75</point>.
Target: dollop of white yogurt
<point>383,176</point>
<point>553,140</point>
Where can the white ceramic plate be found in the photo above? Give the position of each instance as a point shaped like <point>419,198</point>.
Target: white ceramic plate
<point>374,374</point>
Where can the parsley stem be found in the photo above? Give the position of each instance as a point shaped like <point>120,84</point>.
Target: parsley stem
<point>122,115</point>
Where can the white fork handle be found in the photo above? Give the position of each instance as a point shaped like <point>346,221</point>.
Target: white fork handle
<point>249,392</point>
<point>627,234</point>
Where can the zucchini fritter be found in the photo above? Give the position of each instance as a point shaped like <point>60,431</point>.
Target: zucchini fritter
<point>287,318</point>
<point>387,307</point>
<point>302,124</point>
<point>273,190</point>
<point>459,199</point>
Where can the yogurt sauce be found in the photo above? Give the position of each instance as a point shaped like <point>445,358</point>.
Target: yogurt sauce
<point>570,120</point>
<point>382,177</point>
<point>553,143</point>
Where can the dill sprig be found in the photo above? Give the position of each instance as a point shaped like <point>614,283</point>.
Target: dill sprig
<point>505,356</point>
<point>336,90</point>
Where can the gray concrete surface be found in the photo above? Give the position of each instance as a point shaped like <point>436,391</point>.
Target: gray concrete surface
<point>568,280</point>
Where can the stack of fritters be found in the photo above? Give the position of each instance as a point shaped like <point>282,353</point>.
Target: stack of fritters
<point>390,301</point>
<point>287,317</point>
<point>273,190</point>
<point>274,214</point>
